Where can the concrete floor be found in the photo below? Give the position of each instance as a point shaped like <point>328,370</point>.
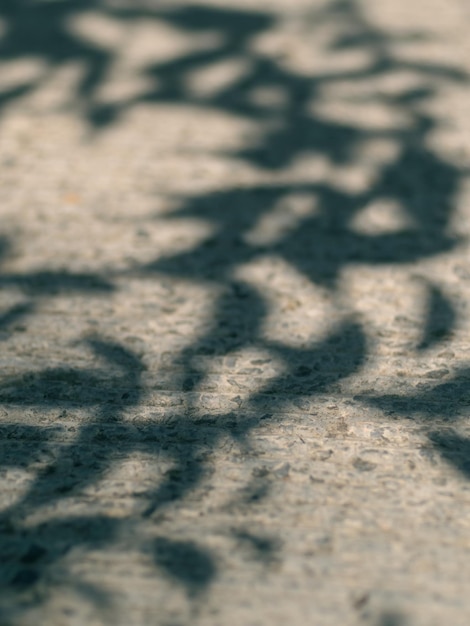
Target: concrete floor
<point>234,313</point>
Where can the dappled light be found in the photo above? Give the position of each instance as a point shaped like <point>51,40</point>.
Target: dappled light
<point>233,263</point>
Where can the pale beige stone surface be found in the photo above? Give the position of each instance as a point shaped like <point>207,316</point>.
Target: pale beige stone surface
<point>235,365</point>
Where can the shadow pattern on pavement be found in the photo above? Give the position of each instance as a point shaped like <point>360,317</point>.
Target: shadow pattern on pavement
<point>319,244</point>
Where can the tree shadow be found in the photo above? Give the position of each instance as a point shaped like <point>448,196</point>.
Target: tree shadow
<point>437,408</point>
<point>320,242</point>
<point>185,562</point>
<point>441,318</point>
<point>392,618</point>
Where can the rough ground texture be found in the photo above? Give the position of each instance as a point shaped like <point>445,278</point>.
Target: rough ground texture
<point>234,313</point>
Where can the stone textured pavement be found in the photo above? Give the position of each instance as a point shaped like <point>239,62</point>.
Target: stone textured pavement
<point>234,313</point>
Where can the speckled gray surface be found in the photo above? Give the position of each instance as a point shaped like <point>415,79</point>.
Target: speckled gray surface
<point>234,297</point>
